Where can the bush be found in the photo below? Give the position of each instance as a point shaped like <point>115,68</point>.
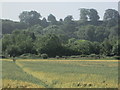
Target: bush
<point>83,55</point>
<point>74,56</point>
<point>1,56</point>
<point>92,55</point>
<point>117,57</point>
<point>39,55</point>
<point>28,55</point>
<point>65,57</point>
<point>44,56</point>
<point>57,57</point>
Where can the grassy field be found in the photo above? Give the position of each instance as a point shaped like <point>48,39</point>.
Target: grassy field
<point>60,73</point>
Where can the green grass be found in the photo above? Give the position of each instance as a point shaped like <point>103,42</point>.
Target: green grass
<point>85,58</point>
<point>78,71</point>
<point>64,74</point>
<point>11,71</point>
<point>72,67</point>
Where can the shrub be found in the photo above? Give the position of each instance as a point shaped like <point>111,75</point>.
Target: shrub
<point>57,57</point>
<point>39,55</point>
<point>23,55</point>
<point>1,56</point>
<point>92,55</point>
<point>83,55</point>
<point>74,56</point>
<point>65,57</point>
<point>28,55</point>
<point>117,57</point>
<point>44,56</point>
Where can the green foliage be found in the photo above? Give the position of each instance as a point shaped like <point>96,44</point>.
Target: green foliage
<point>18,42</point>
<point>106,48</point>
<point>53,29</point>
<point>44,56</point>
<point>8,26</point>
<point>83,14</point>
<point>65,37</point>
<point>29,56</point>
<point>57,57</point>
<point>13,50</point>
<point>101,33</point>
<point>90,14</point>
<point>68,19</point>
<point>69,27</point>
<point>81,47</point>
<point>47,44</point>
<point>30,18</point>
<point>94,56</point>
<point>36,29</point>
<point>6,41</point>
<point>111,17</point>
<point>117,57</point>
<point>93,15</point>
<point>44,22</point>
<point>116,48</point>
<point>52,19</point>
<point>111,14</point>
<point>86,32</point>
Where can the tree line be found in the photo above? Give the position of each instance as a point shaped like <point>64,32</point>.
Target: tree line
<point>65,37</point>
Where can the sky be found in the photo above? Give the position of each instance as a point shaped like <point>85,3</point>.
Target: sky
<point>11,10</point>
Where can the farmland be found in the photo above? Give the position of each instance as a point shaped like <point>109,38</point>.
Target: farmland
<point>38,73</point>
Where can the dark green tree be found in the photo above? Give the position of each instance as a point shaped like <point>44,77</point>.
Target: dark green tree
<point>13,50</point>
<point>86,32</point>
<point>93,15</point>
<point>106,48</point>
<point>52,19</point>
<point>83,14</point>
<point>44,22</point>
<point>111,17</point>
<point>68,19</point>
<point>9,26</point>
<point>36,29</point>
<point>101,33</point>
<point>82,47</point>
<point>30,17</point>
<point>49,44</point>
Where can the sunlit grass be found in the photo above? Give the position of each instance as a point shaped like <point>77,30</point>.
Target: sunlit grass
<point>19,84</point>
<point>11,71</point>
<point>64,74</point>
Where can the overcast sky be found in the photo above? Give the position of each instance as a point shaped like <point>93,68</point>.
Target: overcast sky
<point>12,10</point>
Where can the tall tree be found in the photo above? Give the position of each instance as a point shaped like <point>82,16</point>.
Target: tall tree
<point>101,33</point>
<point>111,17</point>
<point>68,19</point>
<point>49,44</point>
<point>86,32</point>
<point>93,15</point>
<point>106,47</point>
<point>31,18</point>
<point>83,14</point>
<point>69,26</point>
<point>81,46</point>
<point>44,22</point>
<point>52,19</point>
